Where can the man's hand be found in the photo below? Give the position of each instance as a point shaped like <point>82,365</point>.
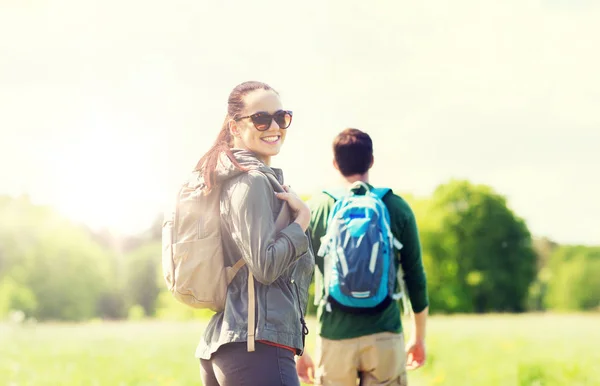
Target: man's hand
<point>415,354</point>
<point>306,369</point>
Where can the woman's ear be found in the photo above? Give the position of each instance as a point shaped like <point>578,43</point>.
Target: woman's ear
<point>233,129</point>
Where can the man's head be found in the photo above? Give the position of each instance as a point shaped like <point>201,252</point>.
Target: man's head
<point>353,152</point>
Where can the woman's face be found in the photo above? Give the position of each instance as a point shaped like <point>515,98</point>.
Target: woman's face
<point>264,144</point>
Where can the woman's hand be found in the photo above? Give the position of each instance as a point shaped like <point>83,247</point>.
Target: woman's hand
<point>299,207</point>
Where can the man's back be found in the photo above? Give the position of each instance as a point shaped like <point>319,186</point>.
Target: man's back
<point>337,324</point>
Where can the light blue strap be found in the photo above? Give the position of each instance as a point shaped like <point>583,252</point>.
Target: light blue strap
<point>359,184</point>
<point>396,243</point>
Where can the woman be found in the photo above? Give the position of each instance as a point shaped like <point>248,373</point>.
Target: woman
<point>280,262</point>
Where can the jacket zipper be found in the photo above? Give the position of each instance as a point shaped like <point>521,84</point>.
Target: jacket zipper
<point>304,326</point>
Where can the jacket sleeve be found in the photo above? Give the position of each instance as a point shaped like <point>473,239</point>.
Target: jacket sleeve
<point>267,254</point>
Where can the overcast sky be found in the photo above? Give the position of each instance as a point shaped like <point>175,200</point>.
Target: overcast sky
<point>105,106</point>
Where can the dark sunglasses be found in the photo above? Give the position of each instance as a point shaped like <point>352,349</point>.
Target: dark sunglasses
<point>262,121</point>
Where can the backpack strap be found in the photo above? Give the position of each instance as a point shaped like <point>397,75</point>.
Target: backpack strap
<point>251,311</point>
<point>251,300</point>
<point>380,192</point>
<point>402,295</point>
<point>336,193</point>
<point>234,270</point>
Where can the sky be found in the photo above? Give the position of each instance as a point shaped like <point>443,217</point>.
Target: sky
<point>105,106</point>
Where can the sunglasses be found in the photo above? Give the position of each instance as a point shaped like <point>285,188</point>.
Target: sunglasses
<point>262,121</point>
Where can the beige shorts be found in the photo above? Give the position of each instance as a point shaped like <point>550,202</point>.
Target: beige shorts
<point>380,359</point>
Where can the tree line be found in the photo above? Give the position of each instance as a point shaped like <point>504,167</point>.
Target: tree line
<point>479,257</point>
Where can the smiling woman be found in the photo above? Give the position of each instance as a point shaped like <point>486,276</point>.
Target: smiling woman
<point>254,337</point>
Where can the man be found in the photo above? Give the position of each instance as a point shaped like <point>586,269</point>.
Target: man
<point>367,346</point>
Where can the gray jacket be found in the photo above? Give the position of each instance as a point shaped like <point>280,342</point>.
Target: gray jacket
<point>282,263</point>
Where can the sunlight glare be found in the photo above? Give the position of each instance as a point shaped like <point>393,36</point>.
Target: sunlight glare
<point>106,180</point>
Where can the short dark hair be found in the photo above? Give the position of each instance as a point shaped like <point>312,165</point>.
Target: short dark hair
<point>353,152</point>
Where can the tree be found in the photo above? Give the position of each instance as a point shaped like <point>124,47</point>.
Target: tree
<point>54,268</point>
<point>142,284</point>
<point>477,254</point>
<point>574,279</point>
<point>543,248</point>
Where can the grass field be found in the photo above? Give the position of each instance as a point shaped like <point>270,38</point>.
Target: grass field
<point>462,350</point>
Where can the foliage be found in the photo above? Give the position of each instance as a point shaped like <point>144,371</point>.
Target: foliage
<point>543,248</point>
<point>136,312</point>
<point>170,309</point>
<point>477,252</point>
<point>56,270</point>
<point>574,279</point>
<point>15,296</point>
<point>112,303</point>
<point>142,283</point>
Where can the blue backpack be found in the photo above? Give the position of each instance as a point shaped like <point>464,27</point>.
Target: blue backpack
<point>359,271</point>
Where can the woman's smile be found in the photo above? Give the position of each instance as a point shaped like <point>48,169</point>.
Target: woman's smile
<point>271,139</point>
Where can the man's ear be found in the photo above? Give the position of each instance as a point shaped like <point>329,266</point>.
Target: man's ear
<point>372,161</point>
<point>335,165</point>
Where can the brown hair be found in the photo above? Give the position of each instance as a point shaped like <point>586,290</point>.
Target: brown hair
<point>353,152</point>
<point>224,143</point>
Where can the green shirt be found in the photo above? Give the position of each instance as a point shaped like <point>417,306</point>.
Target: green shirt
<point>336,324</point>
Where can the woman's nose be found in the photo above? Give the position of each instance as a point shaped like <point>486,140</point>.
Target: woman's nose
<point>274,125</point>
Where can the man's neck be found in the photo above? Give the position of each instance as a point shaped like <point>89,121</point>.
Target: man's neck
<point>356,177</point>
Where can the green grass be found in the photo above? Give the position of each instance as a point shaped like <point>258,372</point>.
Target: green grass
<point>530,349</point>
<point>538,350</point>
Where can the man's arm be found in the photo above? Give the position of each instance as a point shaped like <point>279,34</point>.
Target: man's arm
<point>319,212</point>
<point>412,262</point>
<point>419,324</point>
<point>415,348</point>
<point>416,285</point>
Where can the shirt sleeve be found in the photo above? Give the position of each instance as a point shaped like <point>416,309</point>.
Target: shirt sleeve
<point>319,212</point>
<point>412,263</point>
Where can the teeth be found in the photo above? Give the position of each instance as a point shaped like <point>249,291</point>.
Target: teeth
<point>271,139</point>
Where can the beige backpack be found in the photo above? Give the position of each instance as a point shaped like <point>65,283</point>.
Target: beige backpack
<point>192,258</point>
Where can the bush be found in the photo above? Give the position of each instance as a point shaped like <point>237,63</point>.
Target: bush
<point>14,296</point>
<point>136,313</point>
<point>168,308</point>
<point>112,305</point>
<point>574,283</point>
<point>477,253</point>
